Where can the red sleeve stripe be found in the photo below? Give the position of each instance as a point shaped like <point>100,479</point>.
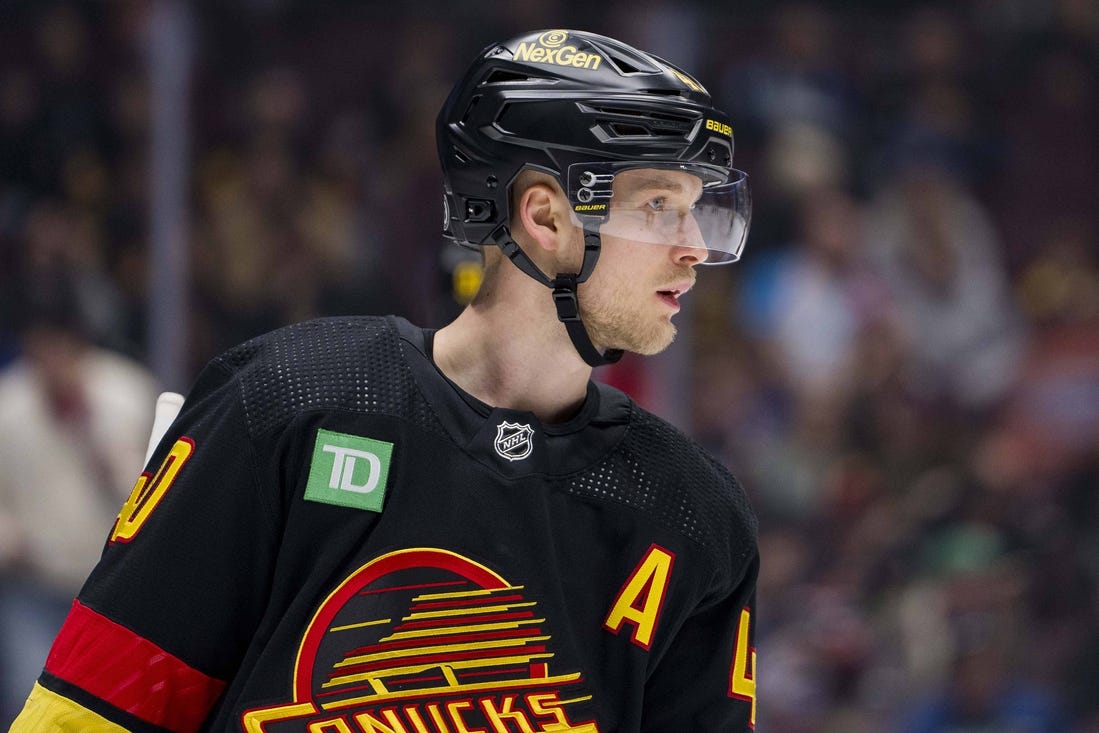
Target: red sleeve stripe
<point>131,673</point>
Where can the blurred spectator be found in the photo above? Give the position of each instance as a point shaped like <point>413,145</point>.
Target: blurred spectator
<point>1049,100</point>
<point>796,109</point>
<point>797,77</point>
<point>937,249</point>
<point>816,297</point>
<point>931,98</point>
<point>74,422</point>
<point>979,697</point>
<point>59,237</point>
<point>1048,426</point>
<point>982,692</point>
<point>809,306</point>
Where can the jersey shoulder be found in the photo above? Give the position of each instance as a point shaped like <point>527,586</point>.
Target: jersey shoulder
<point>343,363</point>
<point>659,470</point>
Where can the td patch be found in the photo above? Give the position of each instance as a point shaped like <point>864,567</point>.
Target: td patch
<point>349,470</point>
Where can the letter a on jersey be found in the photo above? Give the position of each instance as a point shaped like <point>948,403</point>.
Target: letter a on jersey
<point>349,470</point>
<point>642,597</point>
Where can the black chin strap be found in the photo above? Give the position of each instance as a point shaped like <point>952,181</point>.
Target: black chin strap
<point>568,312</point>
<point>564,293</point>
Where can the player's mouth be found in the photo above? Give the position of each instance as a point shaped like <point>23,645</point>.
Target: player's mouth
<point>670,296</point>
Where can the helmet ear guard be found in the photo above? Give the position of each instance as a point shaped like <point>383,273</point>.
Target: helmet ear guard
<point>582,108</point>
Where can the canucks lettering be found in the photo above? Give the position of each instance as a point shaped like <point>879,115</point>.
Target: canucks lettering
<point>531,712</point>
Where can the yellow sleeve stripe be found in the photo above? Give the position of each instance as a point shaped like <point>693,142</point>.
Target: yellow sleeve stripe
<point>48,712</point>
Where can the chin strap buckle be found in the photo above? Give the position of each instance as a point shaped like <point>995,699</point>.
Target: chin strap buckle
<point>564,297</point>
<point>568,312</point>
<point>564,293</point>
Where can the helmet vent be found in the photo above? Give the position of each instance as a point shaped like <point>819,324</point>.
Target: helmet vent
<point>625,129</point>
<point>624,121</point>
<point>469,110</point>
<point>504,76</point>
<point>624,66</point>
<point>627,62</point>
<point>621,129</point>
<point>665,116</point>
<point>665,92</point>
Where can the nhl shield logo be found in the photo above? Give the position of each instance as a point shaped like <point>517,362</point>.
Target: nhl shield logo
<point>513,441</point>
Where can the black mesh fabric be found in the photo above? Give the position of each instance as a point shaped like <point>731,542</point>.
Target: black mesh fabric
<point>342,363</point>
<point>659,471</point>
<point>356,364</point>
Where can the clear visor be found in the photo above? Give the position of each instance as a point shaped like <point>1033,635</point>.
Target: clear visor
<point>666,206</point>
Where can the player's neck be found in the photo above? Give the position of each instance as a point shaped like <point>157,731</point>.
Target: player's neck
<point>515,354</point>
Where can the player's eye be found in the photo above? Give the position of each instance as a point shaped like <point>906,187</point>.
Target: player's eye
<point>657,204</point>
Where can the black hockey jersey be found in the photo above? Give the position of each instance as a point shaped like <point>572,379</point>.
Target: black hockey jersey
<point>334,538</point>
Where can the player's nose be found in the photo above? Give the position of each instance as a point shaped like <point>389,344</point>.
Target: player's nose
<point>689,248</point>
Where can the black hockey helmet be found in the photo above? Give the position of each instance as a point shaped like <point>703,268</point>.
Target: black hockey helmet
<point>582,108</point>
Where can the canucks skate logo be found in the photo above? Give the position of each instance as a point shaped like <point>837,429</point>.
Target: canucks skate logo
<point>424,640</point>
<point>513,441</point>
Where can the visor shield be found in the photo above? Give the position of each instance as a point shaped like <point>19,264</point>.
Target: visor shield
<point>670,206</point>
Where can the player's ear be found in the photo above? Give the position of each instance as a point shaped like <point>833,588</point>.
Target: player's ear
<point>539,215</point>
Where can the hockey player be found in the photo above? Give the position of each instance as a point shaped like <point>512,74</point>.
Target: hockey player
<point>360,525</point>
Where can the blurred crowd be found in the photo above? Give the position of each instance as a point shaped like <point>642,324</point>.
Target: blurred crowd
<point>903,370</point>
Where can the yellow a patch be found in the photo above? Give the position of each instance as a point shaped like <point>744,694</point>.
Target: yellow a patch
<point>642,597</point>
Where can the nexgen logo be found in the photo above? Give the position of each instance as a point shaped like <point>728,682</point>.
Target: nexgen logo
<point>349,470</point>
<point>552,49</point>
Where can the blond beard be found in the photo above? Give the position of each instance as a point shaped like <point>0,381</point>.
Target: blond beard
<point>612,324</point>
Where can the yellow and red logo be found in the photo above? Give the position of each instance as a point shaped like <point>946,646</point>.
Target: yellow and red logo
<point>426,641</point>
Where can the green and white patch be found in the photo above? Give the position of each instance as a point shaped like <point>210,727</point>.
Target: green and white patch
<point>349,470</point>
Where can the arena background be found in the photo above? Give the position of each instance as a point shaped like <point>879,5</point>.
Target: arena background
<point>903,370</point>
